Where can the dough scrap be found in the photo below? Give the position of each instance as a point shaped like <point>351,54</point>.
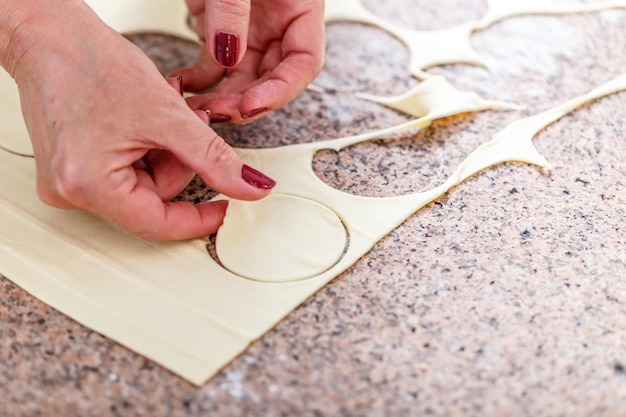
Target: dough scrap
<point>452,46</point>
<point>435,97</point>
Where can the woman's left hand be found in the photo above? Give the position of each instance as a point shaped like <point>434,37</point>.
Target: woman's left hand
<point>263,53</point>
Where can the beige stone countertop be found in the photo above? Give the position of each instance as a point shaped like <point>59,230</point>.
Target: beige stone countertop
<point>504,297</point>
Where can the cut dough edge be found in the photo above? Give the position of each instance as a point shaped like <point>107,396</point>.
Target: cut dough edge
<point>431,48</point>
<point>93,311</point>
<point>280,238</point>
<point>278,301</point>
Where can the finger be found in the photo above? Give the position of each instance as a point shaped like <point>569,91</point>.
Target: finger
<point>164,174</point>
<point>144,214</point>
<point>201,149</point>
<point>204,115</point>
<point>160,170</point>
<point>272,58</point>
<point>234,85</point>
<point>139,208</point>
<point>226,30</point>
<point>196,146</point>
<point>176,81</point>
<point>271,78</point>
<point>302,51</point>
<point>47,193</point>
<point>195,7</point>
<point>224,99</point>
<point>223,107</point>
<point>201,75</point>
<point>198,25</point>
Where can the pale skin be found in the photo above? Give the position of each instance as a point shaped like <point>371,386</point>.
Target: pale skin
<point>281,51</point>
<point>114,137</point>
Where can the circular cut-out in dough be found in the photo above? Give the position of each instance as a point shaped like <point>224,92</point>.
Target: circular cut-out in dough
<point>280,238</point>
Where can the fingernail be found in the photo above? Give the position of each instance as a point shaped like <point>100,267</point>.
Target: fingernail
<point>208,116</point>
<point>226,49</point>
<point>220,118</point>
<point>176,82</point>
<point>181,87</point>
<point>255,178</point>
<point>255,112</point>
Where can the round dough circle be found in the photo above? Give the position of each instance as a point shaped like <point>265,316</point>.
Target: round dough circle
<point>280,238</point>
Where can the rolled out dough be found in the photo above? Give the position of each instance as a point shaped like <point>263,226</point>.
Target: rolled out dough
<point>172,302</point>
<point>132,16</point>
<point>14,136</point>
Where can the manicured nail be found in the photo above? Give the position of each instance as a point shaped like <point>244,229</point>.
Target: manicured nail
<point>176,82</point>
<point>255,178</point>
<point>220,118</point>
<point>255,112</point>
<point>181,87</point>
<point>226,49</point>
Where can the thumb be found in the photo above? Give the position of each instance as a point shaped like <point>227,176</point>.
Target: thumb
<point>226,24</point>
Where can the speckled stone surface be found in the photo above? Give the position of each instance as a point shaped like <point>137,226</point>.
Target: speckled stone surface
<point>505,297</point>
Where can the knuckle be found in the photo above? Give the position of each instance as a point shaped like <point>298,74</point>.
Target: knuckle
<point>218,153</point>
<point>47,195</point>
<point>69,182</point>
<point>195,6</point>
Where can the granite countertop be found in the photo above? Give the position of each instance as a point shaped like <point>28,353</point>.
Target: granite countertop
<point>505,297</point>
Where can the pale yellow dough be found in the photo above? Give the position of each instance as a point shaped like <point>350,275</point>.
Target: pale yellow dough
<point>133,16</point>
<point>437,94</point>
<point>280,238</point>
<point>172,302</point>
<point>14,136</point>
<point>450,46</point>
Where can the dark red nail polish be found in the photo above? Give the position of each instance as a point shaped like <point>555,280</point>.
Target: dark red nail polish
<point>255,178</point>
<point>226,49</point>
<point>181,87</point>
<point>220,118</point>
<point>255,112</point>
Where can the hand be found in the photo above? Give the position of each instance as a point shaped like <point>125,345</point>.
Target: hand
<point>111,136</point>
<point>264,52</point>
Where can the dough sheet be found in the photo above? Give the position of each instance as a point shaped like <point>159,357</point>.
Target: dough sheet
<point>175,304</point>
<point>172,302</point>
<point>132,16</point>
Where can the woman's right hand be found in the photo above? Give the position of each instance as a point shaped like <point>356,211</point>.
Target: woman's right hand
<point>110,135</point>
